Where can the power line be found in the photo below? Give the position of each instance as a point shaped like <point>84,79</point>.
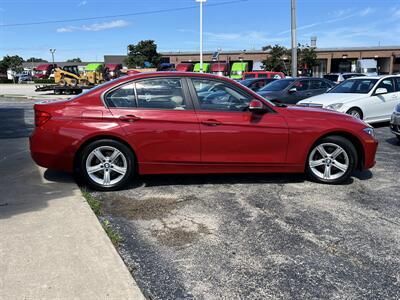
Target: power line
<point>149,12</point>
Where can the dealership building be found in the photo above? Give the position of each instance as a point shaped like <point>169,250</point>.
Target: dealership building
<point>330,60</point>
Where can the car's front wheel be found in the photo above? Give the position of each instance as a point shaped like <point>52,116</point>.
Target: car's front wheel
<point>106,165</point>
<point>355,112</point>
<point>331,160</point>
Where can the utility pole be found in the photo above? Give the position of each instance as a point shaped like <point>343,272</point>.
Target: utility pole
<point>294,39</point>
<point>52,51</point>
<point>201,34</point>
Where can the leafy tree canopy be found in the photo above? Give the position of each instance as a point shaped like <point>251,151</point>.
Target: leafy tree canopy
<point>142,53</point>
<point>77,59</point>
<point>36,59</point>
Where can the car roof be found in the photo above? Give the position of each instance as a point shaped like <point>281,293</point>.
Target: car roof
<point>373,77</point>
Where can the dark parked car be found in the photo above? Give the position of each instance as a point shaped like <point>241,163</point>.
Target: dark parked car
<point>292,90</point>
<point>256,84</point>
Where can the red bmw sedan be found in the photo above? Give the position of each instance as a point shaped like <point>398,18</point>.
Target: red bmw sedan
<point>172,122</point>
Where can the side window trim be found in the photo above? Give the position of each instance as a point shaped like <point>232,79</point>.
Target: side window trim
<point>185,90</point>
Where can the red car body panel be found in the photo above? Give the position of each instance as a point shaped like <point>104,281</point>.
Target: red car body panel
<point>181,141</point>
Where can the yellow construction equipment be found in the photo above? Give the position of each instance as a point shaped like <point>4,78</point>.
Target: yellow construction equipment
<point>68,76</point>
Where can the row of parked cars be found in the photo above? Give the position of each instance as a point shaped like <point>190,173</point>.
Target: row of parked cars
<point>372,99</point>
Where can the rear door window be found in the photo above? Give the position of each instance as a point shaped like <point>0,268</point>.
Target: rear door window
<point>161,93</point>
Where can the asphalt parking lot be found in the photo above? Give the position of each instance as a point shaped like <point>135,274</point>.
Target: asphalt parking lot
<point>262,236</point>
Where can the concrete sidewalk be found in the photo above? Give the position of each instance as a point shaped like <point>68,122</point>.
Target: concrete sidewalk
<point>52,245</point>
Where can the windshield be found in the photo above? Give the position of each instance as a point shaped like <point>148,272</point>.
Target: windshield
<point>277,85</point>
<point>355,86</point>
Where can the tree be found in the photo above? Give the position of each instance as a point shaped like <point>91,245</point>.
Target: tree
<point>276,57</point>
<point>141,53</point>
<point>36,59</point>
<point>13,63</point>
<point>307,57</point>
<point>77,59</point>
<point>279,58</point>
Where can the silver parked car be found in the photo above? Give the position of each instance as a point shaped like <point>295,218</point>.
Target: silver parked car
<point>340,77</point>
<point>395,121</point>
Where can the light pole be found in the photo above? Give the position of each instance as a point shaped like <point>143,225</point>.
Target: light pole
<point>294,39</point>
<point>201,34</point>
<point>52,51</point>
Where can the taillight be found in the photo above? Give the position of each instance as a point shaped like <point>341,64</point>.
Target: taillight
<point>41,117</point>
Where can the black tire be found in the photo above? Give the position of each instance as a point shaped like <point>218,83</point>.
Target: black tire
<point>68,92</point>
<point>82,171</point>
<point>398,137</point>
<point>355,112</point>
<point>57,91</point>
<point>348,148</point>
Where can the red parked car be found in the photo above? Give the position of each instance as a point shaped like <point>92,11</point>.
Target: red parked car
<point>179,122</point>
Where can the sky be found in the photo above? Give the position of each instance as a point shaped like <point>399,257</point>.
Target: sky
<point>108,26</point>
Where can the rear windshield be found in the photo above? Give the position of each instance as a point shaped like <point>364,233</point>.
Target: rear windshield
<point>355,86</point>
<point>332,77</point>
<point>277,85</point>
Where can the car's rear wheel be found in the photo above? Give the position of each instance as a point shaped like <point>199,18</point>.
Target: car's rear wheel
<point>331,160</point>
<point>106,165</point>
<point>355,112</point>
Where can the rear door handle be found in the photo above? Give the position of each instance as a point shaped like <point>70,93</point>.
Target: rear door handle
<point>211,122</point>
<point>129,118</point>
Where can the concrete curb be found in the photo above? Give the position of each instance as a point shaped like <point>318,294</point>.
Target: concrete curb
<point>53,246</point>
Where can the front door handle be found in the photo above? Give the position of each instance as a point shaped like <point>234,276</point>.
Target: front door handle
<point>129,118</point>
<point>211,122</point>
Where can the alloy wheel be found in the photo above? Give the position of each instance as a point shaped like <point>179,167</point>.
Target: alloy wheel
<point>328,161</point>
<point>106,165</point>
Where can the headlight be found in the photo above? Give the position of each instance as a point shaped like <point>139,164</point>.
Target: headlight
<point>397,108</point>
<point>370,131</point>
<point>335,106</point>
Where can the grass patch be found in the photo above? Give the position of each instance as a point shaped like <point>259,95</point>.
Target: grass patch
<point>96,206</point>
<point>93,203</point>
<point>114,236</point>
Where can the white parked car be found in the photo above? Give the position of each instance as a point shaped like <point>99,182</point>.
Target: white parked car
<point>371,99</point>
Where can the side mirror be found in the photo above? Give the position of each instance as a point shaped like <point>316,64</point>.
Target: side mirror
<point>256,106</point>
<point>292,90</point>
<point>381,91</point>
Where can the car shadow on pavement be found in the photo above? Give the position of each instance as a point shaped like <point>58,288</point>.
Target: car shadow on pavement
<point>381,124</point>
<point>363,175</point>
<point>58,176</point>
<point>393,141</point>
<point>200,179</point>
